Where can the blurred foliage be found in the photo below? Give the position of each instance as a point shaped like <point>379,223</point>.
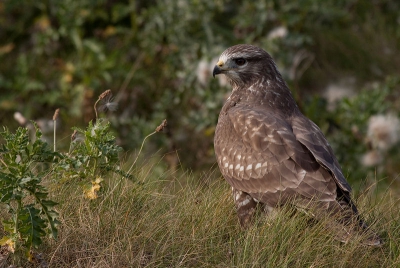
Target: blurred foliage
<point>347,128</point>
<point>61,54</point>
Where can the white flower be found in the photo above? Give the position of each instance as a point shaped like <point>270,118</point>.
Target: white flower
<point>203,72</point>
<point>372,158</point>
<point>20,118</point>
<point>278,32</point>
<point>335,92</point>
<point>45,125</point>
<point>383,131</point>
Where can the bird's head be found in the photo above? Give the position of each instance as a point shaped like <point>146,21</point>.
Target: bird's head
<point>244,65</point>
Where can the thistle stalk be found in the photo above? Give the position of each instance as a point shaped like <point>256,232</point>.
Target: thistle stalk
<point>158,129</point>
<point>102,96</point>
<point>55,116</point>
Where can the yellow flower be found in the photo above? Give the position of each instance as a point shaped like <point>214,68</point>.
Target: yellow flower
<point>91,193</point>
<point>6,241</point>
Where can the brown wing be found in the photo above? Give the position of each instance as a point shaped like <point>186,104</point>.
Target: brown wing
<point>310,135</point>
<point>259,154</point>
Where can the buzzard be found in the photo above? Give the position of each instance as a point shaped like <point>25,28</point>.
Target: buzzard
<point>271,154</point>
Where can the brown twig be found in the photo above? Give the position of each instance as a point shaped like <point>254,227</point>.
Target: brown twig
<point>102,96</point>
<point>158,129</point>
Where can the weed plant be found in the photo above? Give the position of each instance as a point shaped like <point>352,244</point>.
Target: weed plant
<point>153,216</point>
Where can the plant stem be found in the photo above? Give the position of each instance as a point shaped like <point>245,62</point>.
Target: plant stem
<point>54,131</point>
<point>16,234</point>
<point>141,147</point>
<point>55,116</point>
<point>95,108</point>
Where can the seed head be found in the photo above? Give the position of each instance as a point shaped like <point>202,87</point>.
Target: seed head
<point>56,113</point>
<point>162,126</point>
<point>105,94</point>
<point>371,158</point>
<point>107,102</point>
<point>73,136</point>
<point>383,131</point>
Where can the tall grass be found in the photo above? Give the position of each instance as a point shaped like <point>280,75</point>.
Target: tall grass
<point>180,219</point>
<point>188,220</point>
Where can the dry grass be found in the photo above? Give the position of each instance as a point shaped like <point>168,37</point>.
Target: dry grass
<point>189,221</point>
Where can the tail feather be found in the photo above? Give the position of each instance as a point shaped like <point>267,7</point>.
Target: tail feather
<point>347,222</point>
<point>341,216</point>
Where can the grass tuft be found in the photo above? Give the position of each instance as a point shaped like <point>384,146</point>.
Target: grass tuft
<point>181,219</point>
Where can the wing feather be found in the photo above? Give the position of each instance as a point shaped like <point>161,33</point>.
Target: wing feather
<point>317,144</point>
<point>262,155</point>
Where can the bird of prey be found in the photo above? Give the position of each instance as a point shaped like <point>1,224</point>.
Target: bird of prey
<point>271,154</point>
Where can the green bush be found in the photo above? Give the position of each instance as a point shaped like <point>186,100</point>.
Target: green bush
<point>347,127</point>
<point>157,56</point>
<point>24,165</point>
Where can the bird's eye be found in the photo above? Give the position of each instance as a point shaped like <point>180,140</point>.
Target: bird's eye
<point>240,61</point>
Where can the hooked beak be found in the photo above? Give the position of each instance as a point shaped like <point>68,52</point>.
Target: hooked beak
<point>217,69</point>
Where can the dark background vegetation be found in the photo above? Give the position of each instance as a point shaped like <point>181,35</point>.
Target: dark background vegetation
<point>168,205</point>
<point>157,57</point>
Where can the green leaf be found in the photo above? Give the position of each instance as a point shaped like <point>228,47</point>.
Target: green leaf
<point>9,226</point>
<point>32,226</point>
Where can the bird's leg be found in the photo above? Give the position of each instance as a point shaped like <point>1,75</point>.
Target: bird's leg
<point>271,212</point>
<point>245,207</point>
